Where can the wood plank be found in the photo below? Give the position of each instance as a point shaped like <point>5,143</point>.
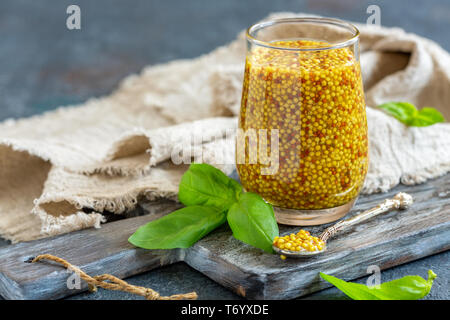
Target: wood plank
<point>96,251</point>
<point>391,239</point>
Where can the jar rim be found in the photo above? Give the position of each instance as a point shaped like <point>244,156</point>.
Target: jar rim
<point>331,21</point>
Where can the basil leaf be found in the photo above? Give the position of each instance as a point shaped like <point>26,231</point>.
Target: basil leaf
<point>402,111</point>
<point>252,221</point>
<point>202,184</point>
<point>408,114</point>
<point>179,229</point>
<point>426,117</point>
<point>406,288</point>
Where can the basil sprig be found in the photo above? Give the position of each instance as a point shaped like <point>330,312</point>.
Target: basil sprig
<point>406,288</point>
<point>211,198</point>
<point>408,114</point>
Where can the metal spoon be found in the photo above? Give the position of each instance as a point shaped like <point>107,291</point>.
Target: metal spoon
<point>400,201</point>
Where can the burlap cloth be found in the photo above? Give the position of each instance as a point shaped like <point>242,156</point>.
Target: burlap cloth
<point>110,152</point>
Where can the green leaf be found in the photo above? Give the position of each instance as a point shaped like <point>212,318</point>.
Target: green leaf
<point>252,221</point>
<point>179,229</point>
<point>202,184</point>
<point>402,111</point>
<point>408,114</point>
<point>406,288</point>
<point>426,117</point>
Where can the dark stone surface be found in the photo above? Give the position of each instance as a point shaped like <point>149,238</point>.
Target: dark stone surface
<point>44,65</point>
<point>180,278</point>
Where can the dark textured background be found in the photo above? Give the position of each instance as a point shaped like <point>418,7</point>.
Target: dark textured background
<point>43,65</point>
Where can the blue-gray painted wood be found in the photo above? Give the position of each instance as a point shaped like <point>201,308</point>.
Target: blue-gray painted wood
<point>387,240</point>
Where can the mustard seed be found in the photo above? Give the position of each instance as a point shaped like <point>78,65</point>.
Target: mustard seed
<point>302,241</point>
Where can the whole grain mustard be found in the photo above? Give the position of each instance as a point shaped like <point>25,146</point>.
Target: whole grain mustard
<point>301,241</point>
<point>315,99</point>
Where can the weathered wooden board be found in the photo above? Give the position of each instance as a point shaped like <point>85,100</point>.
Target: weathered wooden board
<point>387,240</point>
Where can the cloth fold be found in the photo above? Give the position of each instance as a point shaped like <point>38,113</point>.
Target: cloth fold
<point>61,170</point>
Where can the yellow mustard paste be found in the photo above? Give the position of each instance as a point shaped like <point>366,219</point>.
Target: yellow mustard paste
<point>315,99</point>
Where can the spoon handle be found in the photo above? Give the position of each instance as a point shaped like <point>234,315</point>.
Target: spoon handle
<point>400,201</point>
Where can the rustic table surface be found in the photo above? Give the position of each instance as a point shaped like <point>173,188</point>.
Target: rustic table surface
<point>45,65</point>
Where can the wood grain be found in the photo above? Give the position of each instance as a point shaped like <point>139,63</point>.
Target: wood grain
<point>388,240</point>
<point>105,250</point>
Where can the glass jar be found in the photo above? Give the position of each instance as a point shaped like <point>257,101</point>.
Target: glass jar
<point>302,140</point>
